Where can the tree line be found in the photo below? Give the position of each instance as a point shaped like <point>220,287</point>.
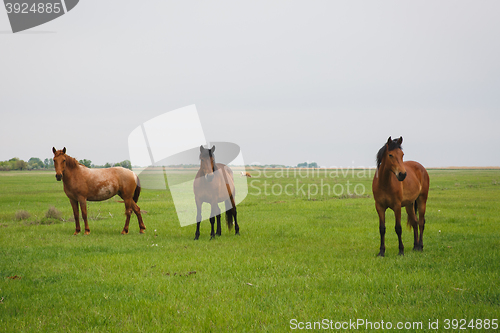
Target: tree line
<point>35,163</point>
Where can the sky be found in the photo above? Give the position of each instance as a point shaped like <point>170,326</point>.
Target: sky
<point>288,81</point>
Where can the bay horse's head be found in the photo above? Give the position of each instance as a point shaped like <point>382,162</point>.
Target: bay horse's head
<point>207,162</point>
<point>391,154</point>
<point>59,162</point>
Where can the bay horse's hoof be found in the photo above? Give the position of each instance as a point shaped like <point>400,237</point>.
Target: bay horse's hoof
<point>401,253</point>
<point>196,237</point>
<point>381,254</point>
<point>237,233</point>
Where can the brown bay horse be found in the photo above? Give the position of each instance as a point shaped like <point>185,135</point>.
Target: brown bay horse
<point>400,184</point>
<point>214,183</point>
<point>82,184</point>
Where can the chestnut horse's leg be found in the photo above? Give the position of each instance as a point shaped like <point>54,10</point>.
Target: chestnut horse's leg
<point>76,215</point>
<point>198,220</point>
<point>381,227</point>
<point>83,207</point>
<point>399,230</point>
<point>137,212</point>
<point>128,213</point>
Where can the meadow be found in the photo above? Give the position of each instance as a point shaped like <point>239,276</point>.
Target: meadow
<point>306,258</point>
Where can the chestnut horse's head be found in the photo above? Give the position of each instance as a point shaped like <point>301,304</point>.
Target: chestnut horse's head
<point>59,162</point>
<point>207,162</point>
<point>391,154</point>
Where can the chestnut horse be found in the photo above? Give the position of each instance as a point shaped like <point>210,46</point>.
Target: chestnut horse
<point>400,184</point>
<point>214,183</point>
<point>82,184</point>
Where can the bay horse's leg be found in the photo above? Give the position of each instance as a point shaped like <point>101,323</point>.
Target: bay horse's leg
<point>83,207</point>
<point>399,230</point>
<point>76,215</point>
<point>212,232</point>
<point>236,226</point>
<point>381,228</point>
<point>198,220</point>
<point>219,229</point>
<point>421,221</point>
<point>412,220</point>
<point>216,213</point>
<point>137,212</point>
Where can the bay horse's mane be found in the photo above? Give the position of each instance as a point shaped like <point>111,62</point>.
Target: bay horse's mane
<point>208,152</point>
<point>392,145</point>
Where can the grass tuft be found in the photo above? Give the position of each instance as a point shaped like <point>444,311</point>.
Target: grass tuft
<point>53,213</point>
<point>22,215</point>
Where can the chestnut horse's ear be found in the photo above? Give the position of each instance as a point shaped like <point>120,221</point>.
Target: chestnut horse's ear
<point>389,140</point>
<point>213,149</point>
<point>54,150</point>
<point>64,150</point>
<point>400,140</point>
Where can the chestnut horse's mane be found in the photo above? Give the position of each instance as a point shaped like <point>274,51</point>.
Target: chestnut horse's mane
<point>71,162</point>
<point>392,145</point>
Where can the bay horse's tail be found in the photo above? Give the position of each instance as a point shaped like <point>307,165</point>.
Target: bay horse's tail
<point>229,214</point>
<point>137,191</point>
<point>230,209</point>
<point>409,223</point>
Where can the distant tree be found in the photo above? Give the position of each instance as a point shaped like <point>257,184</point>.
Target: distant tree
<point>87,163</point>
<point>35,163</point>
<point>126,164</point>
<point>307,165</point>
<point>48,163</point>
<point>20,165</point>
<point>107,165</point>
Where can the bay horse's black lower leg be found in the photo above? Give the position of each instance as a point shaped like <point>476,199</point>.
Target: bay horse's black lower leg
<point>399,232</point>
<point>197,233</point>
<point>212,232</point>
<point>219,228</point>
<point>381,227</point>
<point>415,237</point>
<point>236,226</point>
<point>421,241</point>
<point>382,240</point>
<point>198,220</point>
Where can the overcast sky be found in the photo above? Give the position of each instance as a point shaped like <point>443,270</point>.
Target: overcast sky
<point>288,81</point>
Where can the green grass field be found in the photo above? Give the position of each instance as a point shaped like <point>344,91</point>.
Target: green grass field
<point>303,257</point>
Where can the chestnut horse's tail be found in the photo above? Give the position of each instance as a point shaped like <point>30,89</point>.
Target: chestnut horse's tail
<point>137,190</point>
